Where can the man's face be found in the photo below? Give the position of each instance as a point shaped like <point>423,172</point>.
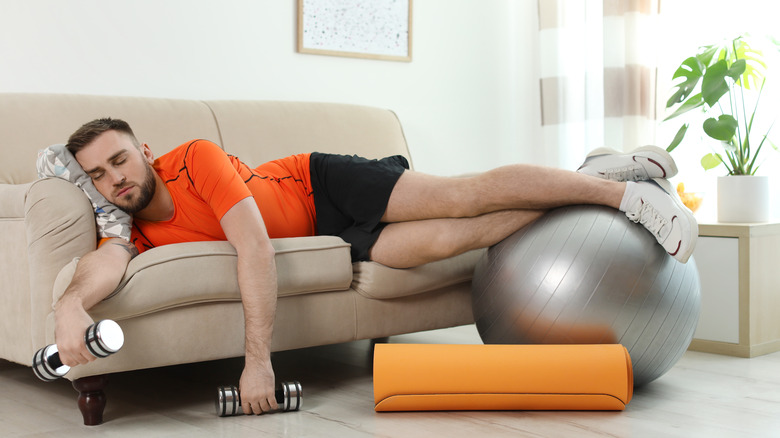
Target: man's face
<point>120,171</point>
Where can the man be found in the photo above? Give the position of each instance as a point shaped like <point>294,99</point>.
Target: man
<point>387,213</point>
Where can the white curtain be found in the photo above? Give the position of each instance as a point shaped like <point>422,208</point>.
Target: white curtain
<point>598,76</point>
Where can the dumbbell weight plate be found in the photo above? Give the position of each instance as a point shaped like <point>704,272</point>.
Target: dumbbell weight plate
<point>47,365</point>
<point>104,338</point>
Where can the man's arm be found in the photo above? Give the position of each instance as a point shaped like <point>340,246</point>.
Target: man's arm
<point>97,275</point>
<point>243,225</point>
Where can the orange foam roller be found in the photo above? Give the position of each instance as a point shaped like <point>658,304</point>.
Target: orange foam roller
<point>424,377</point>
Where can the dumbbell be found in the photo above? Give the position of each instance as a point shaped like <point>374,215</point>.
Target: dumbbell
<point>289,397</point>
<point>103,338</point>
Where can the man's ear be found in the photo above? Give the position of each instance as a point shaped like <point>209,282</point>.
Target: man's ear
<point>147,153</point>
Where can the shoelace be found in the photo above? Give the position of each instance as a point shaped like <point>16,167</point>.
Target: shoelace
<point>629,173</point>
<point>650,218</point>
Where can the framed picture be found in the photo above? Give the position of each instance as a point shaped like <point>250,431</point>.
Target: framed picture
<point>374,29</point>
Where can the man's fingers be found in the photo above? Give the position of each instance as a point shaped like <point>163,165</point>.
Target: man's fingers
<point>272,404</point>
<point>269,405</point>
<point>259,407</point>
<point>79,357</point>
<point>253,409</point>
<point>86,358</point>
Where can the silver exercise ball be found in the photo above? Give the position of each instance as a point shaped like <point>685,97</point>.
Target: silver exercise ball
<point>588,275</point>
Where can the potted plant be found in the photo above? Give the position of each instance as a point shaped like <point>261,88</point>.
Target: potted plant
<point>725,81</point>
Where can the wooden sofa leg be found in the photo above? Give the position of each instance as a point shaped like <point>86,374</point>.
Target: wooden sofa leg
<point>92,399</point>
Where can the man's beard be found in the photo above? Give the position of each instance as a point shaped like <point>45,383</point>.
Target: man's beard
<point>146,193</point>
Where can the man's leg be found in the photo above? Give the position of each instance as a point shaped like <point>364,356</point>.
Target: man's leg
<point>418,196</point>
<point>432,218</point>
<point>414,243</point>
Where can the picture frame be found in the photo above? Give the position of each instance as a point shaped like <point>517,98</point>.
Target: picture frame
<point>375,29</point>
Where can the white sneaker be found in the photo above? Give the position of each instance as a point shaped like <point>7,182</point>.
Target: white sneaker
<point>656,206</point>
<point>641,164</point>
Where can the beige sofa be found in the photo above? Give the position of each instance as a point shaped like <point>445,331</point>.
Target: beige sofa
<point>180,303</point>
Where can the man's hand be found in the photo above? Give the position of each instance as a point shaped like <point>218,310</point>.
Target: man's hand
<point>71,323</point>
<point>257,388</point>
<point>97,275</point>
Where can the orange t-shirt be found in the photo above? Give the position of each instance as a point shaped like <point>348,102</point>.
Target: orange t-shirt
<point>205,182</point>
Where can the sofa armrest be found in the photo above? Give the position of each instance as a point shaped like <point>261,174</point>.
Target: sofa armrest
<point>15,290</point>
<point>60,226</point>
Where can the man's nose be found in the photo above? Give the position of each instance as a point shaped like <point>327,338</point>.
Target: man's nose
<point>117,178</point>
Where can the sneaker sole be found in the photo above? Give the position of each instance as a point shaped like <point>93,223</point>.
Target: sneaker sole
<point>693,232</point>
<point>672,170</point>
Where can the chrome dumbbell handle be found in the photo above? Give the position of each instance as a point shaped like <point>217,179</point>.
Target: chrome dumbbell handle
<point>102,338</point>
<point>289,397</point>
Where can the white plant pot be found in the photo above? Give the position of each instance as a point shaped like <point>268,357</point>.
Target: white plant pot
<point>743,198</point>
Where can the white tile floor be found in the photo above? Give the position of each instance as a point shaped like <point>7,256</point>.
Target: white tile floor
<point>704,395</point>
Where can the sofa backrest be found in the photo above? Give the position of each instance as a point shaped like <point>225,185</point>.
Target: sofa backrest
<point>260,131</point>
<point>255,131</point>
<point>30,122</point>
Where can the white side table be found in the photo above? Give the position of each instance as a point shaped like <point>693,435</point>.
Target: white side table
<point>739,266</point>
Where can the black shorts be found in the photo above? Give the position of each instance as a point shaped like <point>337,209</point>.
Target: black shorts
<point>351,195</point>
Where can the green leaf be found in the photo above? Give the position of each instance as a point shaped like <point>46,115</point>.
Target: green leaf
<point>692,103</point>
<point>677,138</point>
<point>714,85</point>
<point>736,69</point>
<point>707,52</point>
<point>690,69</point>
<point>755,67</point>
<point>722,129</point>
<point>711,161</point>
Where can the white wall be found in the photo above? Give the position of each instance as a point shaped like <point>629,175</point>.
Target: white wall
<point>468,100</point>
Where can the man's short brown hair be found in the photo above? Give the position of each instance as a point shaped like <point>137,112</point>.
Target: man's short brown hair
<point>91,130</point>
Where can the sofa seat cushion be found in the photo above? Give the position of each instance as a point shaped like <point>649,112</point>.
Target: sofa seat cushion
<point>203,272</point>
<point>376,281</point>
